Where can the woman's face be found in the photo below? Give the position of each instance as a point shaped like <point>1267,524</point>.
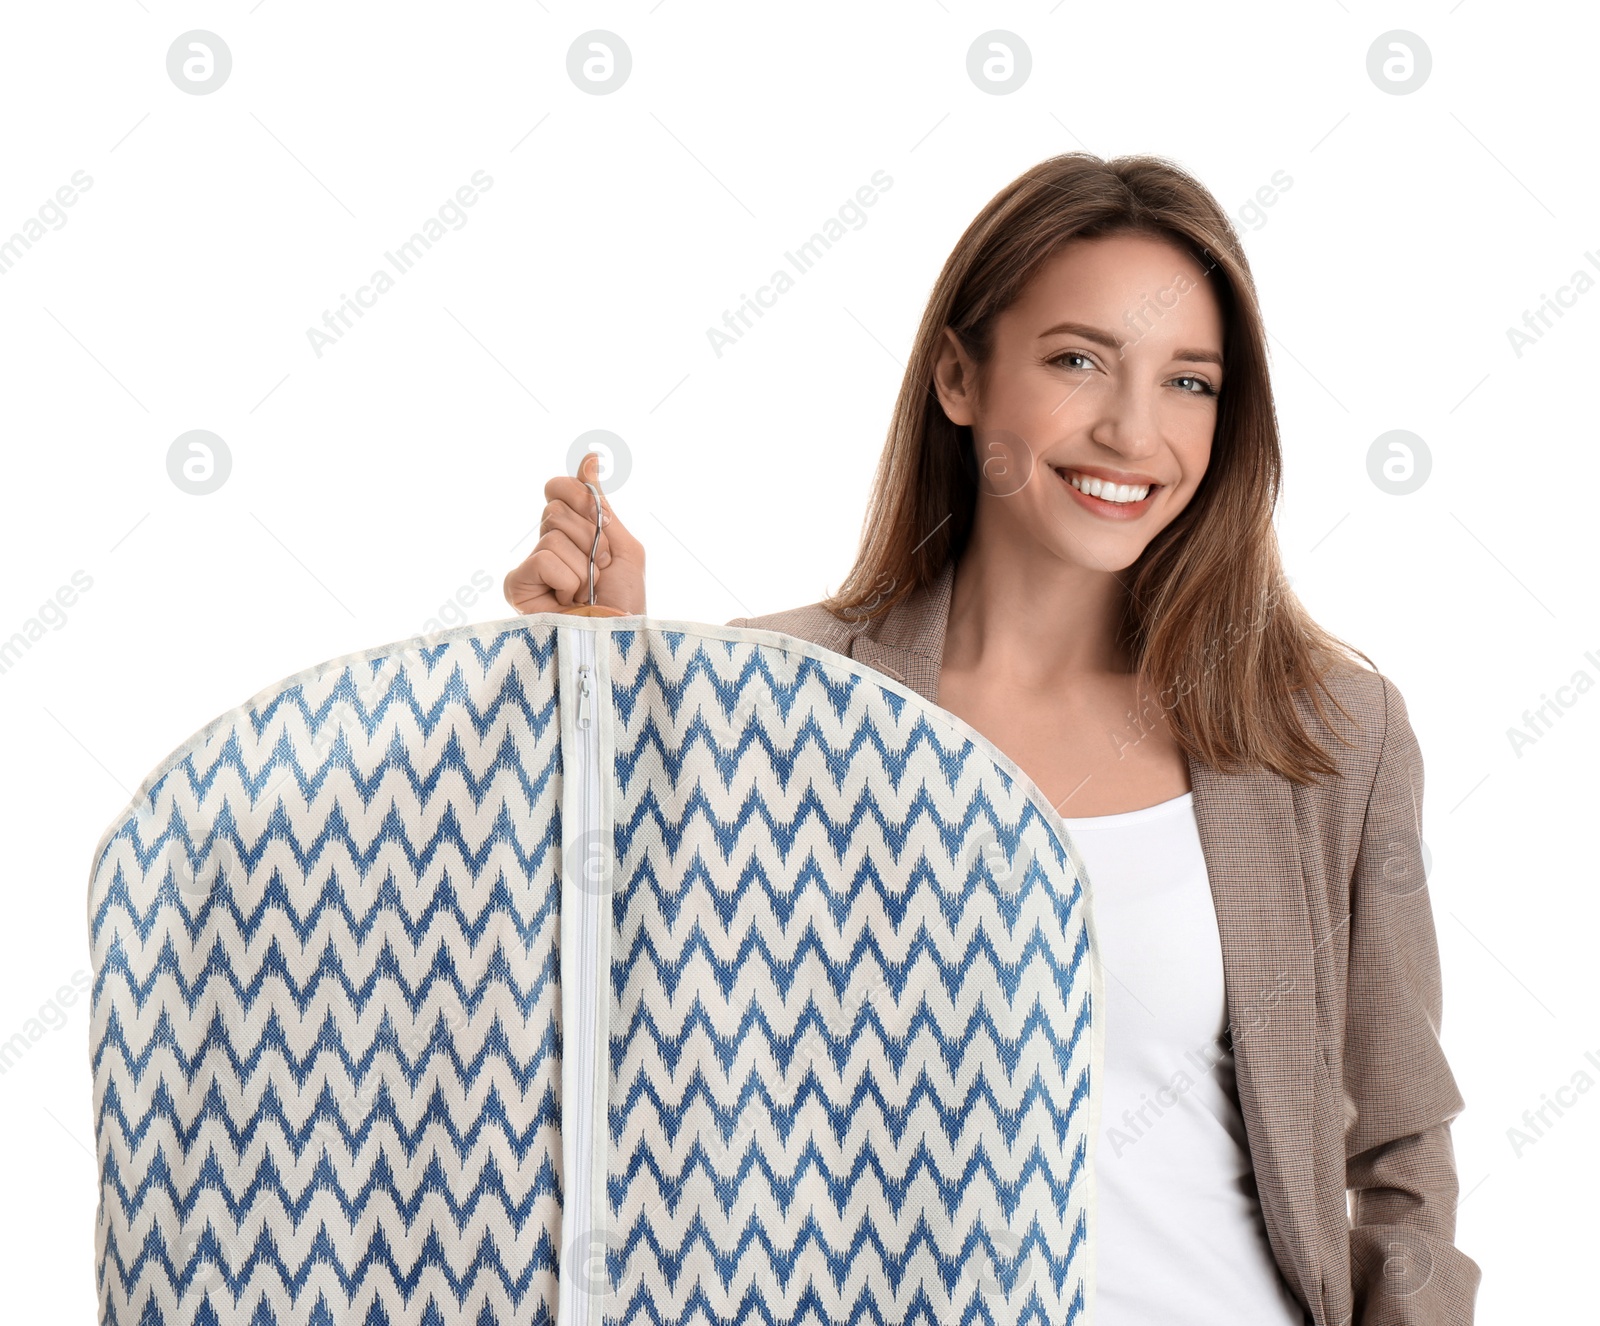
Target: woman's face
<point>1105,371</point>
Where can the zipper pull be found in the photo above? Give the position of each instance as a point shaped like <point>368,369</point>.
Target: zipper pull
<point>585,697</point>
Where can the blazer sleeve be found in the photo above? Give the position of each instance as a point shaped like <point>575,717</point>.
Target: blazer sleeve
<point>1399,1161</point>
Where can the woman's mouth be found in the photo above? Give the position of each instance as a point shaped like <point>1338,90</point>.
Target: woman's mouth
<point>1110,501</point>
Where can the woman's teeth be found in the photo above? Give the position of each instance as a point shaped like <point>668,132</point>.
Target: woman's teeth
<point>1107,492</point>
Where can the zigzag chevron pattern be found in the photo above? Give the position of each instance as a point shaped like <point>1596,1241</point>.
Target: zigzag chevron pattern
<point>844,1006</point>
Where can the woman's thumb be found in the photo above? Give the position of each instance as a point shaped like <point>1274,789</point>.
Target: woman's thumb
<point>590,472</point>
<point>622,544</point>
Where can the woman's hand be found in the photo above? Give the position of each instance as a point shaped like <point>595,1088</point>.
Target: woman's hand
<point>555,574</point>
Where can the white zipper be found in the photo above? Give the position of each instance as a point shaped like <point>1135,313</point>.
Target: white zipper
<point>585,692</point>
<point>583,1004</point>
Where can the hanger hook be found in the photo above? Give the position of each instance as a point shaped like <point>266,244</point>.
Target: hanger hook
<point>594,548</point>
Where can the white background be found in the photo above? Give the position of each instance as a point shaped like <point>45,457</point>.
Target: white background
<point>371,483</point>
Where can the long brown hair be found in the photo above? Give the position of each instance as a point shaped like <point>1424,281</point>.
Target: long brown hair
<point>1209,621</point>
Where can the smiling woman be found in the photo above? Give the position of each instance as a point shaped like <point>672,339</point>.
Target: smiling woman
<point>1050,378</point>
<point>1070,546</point>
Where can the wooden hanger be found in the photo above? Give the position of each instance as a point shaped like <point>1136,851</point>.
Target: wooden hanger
<point>591,608</point>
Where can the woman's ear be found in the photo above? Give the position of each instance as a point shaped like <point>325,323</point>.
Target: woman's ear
<point>955,378</point>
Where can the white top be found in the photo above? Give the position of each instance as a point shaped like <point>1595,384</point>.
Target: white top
<point>1182,1237</point>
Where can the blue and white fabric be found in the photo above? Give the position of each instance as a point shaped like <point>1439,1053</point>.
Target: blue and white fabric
<point>603,971</point>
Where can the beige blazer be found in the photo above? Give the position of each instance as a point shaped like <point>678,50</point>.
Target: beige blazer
<point>1331,969</point>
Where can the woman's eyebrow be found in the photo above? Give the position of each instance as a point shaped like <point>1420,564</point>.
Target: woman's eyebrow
<point>1110,342</point>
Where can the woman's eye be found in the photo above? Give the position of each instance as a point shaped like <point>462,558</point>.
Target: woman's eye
<point>1200,388</point>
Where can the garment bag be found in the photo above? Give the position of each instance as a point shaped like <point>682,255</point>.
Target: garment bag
<point>592,971</point>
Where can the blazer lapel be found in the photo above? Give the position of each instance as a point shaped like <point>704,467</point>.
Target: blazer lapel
<point>1247,834</point>
<point>1251,849</point>
<point>907,642</point>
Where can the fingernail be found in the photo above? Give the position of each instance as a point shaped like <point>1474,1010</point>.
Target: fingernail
<point>604,559</point>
